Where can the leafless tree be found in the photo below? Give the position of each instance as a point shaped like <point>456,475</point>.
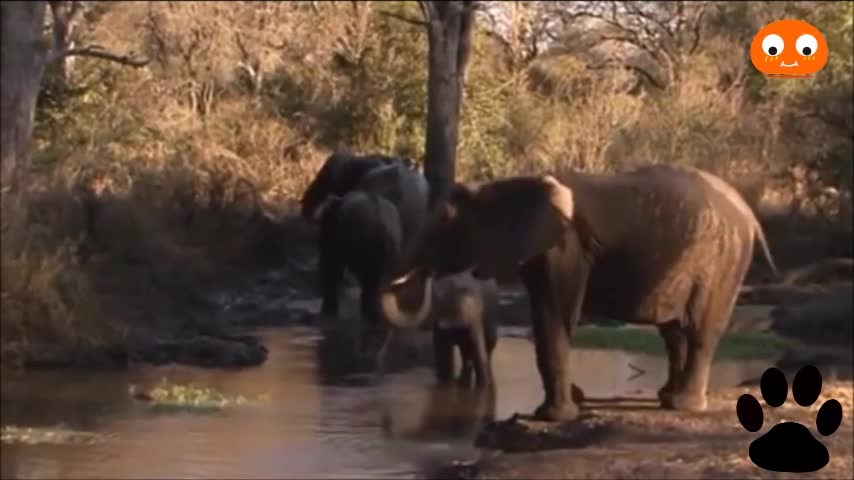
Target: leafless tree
<point>653,39</point>
<point>25,55</point>
<point>520,28</point>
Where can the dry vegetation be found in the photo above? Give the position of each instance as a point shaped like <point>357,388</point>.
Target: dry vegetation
<point>148,183</point>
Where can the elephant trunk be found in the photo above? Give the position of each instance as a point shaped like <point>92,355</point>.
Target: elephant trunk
<point>397,316</point>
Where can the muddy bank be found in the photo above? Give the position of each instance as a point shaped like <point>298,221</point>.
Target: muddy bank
<point>636,439</point>
<point>200,351</point>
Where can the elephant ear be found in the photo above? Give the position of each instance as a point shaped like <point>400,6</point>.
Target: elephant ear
<point>325,205</point>
<point>324,182</point>
<point>517,219</point>
<point>385,181</point>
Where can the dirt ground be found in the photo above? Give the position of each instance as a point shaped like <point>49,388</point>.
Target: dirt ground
<point>638,440</point>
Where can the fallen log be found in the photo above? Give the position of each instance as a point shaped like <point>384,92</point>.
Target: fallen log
<point>777,294</point>
<point>829,269</point>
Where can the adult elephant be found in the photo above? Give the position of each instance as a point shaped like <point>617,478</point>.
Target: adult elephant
<point>659,245</point>
<point>364,233</point>
<point>341,173</point>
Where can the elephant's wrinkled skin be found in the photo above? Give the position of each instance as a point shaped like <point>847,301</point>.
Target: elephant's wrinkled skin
<point>462,315</point>
<point>365,234</point>
<point>658,245</point>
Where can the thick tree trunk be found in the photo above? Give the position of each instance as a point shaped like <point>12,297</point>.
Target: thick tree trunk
<point>449,27</point>
<point>24,53</point>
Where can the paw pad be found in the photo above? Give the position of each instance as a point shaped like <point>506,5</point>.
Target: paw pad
<point>789,446</point>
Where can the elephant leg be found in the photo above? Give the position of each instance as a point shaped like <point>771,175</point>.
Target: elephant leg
<point>468,371</point>
<point>443,355</point>
<point>551,336</point>
<point>331,273</point>
<point>369,304</point>
<point>677,352</point>
<point>479,356</point>
<point>710,312</point>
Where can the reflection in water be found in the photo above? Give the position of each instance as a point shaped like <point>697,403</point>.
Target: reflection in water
<point>319,422</point>
<point>448,413</point>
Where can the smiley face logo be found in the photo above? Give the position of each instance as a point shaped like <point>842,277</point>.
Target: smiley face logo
<point>788,49</point>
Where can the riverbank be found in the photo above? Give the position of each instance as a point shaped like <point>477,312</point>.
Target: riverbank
<point>638,440</point>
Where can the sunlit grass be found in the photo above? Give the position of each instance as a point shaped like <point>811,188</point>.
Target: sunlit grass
<point>174,397</point>
<point>733,346</point>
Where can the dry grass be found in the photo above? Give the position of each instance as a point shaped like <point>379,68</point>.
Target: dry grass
<point>153,182</point>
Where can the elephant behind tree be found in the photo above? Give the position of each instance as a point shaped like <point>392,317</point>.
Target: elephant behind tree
<point>463,315</point>
<point>660,245</point>
<point>340,174</point>
<point>360,236</point>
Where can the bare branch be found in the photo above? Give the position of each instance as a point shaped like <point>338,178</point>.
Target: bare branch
<point>95,51</point>
<point>404,18</point>
<point>426,11</point>
<point>696,30</point>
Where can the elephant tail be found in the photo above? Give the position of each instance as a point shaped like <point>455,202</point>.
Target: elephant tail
<point>763,243</point>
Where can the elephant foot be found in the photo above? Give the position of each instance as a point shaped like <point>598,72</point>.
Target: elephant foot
<point>550,412</point>
<point>484,383</point>
<point>465,377</point>
<point>577,394</point>
<point>685,402</point>
<point>666,391</point>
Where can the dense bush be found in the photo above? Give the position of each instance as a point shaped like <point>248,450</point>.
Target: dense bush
<point>136,171</point>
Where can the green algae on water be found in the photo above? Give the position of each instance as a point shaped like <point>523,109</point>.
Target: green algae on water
<point>58,435</point>
<point>175,397</point>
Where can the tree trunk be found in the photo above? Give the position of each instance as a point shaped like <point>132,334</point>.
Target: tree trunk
<point>24,54</point>
<point>66,17</point>
<point>449,27</point>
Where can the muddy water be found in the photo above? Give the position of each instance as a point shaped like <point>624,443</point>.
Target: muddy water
<point>315,424</point>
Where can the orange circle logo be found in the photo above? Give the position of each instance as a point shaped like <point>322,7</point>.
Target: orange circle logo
<point>788,49</point>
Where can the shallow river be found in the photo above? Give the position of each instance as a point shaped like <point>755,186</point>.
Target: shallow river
<point>313,425</point>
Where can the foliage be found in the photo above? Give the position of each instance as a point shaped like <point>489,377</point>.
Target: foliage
<point>176,173</point>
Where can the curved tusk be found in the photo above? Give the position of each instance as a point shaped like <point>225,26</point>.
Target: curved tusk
<point>401,319</point>
<point>404,278</point>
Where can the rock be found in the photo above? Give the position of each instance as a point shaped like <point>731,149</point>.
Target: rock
<point>827,317</point>
<point>518,434</point>
<point>213,352</point>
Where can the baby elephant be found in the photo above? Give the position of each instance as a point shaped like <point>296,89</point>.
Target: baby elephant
<point>463,315</point>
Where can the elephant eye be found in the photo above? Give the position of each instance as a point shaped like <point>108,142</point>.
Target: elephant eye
<point>806,45</point>
<point>772,45</point>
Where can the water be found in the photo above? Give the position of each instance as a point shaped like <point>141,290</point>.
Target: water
<point>315,424</point>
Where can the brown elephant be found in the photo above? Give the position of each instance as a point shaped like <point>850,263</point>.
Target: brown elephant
<point>659,245</point>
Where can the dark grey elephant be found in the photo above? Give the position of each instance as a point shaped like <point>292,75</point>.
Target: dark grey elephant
<point>341,173</point>
<point>659,245</point>
<point>369,210</point>
<point>462,314</point>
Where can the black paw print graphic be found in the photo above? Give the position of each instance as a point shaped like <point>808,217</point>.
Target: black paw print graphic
<point>789,446</point>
